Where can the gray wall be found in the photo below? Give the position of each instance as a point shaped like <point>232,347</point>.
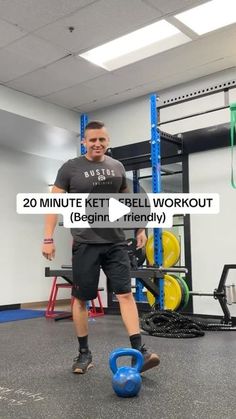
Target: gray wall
<point>22,266</point>
<point>37,109</point>
<point>212,236</point>
<point>33,126</point>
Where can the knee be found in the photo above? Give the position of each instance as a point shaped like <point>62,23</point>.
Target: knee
<point>80,304</point>
<point>125,298</point>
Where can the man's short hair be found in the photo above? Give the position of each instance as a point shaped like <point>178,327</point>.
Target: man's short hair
<point>94,125</point>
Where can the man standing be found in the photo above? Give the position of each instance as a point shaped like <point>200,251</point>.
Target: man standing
<point>94,172</point>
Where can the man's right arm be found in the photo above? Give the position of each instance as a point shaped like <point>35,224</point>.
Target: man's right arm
<point>48,248</point>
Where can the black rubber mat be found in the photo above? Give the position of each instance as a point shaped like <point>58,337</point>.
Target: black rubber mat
<point>196,378</point>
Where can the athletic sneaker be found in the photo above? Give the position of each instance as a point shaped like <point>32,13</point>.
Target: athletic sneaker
<point>82,362</point>
<point>151,360</point>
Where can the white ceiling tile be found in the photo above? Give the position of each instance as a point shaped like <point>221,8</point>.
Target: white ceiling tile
<point>33,14</point>
<point>72,97</point>
<point>171,6</point>
<point>38,83</point>
<point>114,99</point>
<point>98,23</point>
<point>93,91</point>
<point>41,65</point>
<point>57,76</point>
<point>157,72</point>
<point>14,65</point>
<point>9,33</point>
<point>197,72</point>
<point>113,84</point>
<point>25,55</point>
<point>40,51</point>
<point>213,47</point>
<point>168,69</point>
<point>108,84</point>
<point>142,72</point>
<point>189,56</point>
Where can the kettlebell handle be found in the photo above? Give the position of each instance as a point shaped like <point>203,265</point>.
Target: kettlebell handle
<point>126,352</point>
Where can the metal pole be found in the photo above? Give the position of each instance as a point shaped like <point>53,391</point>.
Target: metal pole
<point>156,188</point>
<point>139,296</point>
<point>83,123</point>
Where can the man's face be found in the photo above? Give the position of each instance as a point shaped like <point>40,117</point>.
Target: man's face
<point>96,142</point>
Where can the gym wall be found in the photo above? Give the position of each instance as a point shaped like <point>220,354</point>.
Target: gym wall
<point>22,277</point>
<point>22,266</point>
<point>212,236</point>
<point>37,109</point>
<point>212,241</point>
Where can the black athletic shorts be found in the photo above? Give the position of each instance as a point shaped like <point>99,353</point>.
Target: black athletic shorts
<point>87,259</point>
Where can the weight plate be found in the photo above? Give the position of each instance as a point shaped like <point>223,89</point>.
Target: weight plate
<point>186,292</point>
<point>171,249</point>
<point>172,292</point>
<point>181,306</point>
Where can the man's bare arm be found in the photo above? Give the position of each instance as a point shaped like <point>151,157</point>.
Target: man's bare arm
<point>48,249</point>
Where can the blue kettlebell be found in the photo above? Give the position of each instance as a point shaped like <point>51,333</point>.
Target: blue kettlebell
<point>126,381</point>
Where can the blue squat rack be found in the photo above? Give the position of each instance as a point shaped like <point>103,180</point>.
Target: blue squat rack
<point>83,123</point>
<point>156,188</point>
<point>139,296</point>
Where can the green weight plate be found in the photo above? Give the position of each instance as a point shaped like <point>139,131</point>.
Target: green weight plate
<point>182,302</point>
<point>186,292</point>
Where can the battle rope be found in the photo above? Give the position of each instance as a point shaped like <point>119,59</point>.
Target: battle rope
<point>169,324</point>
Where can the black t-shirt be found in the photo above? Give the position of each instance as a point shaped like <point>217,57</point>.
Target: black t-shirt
<point>81,175</point>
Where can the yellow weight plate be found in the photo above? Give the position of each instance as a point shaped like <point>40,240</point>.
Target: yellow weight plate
<point>171,249</point>
<point>172,292</point>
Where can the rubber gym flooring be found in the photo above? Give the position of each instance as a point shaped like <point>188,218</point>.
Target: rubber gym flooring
<point>196,379</point>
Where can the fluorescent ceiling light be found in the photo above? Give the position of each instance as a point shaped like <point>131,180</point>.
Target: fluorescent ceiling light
<point>209,16</point>
<point>137,45</point>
